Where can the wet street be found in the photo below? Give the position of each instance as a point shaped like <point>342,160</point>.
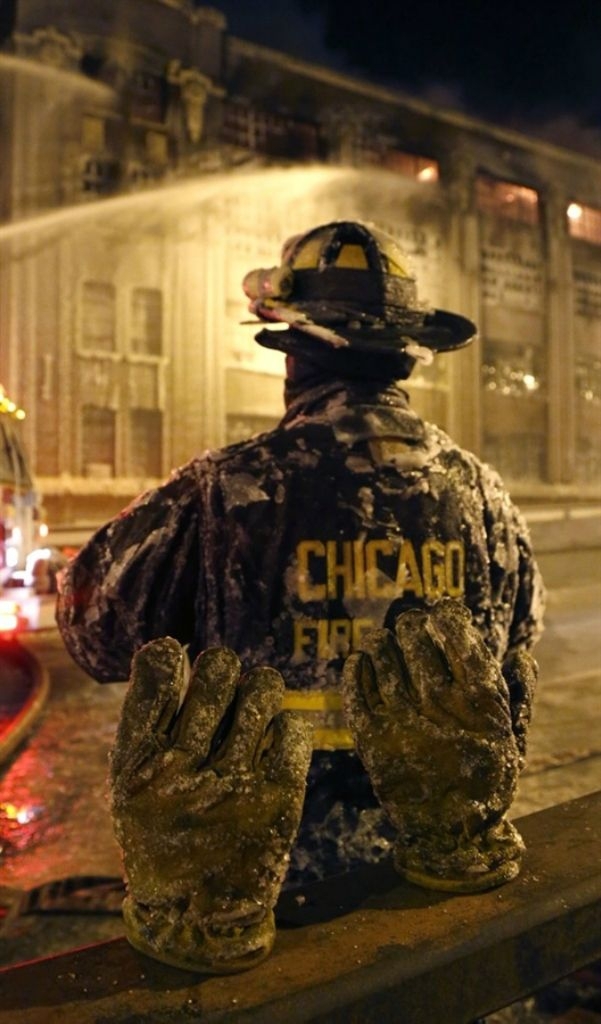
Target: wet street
<point>53,817</point>
<point>16,685</point>
<point>54,821</point>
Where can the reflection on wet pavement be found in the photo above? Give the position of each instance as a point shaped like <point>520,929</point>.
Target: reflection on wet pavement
<point>54,819</point>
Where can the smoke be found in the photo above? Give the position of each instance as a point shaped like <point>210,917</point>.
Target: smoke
<point>564,130</point>
<point>568,130</point>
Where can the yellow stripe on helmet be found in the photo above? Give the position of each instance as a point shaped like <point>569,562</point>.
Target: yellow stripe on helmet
<point>352,257</point>
<point>307,257</point>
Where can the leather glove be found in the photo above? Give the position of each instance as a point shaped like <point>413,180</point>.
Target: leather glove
<point>520,672</point>
<point>430,713</point>
<point>207,791</point>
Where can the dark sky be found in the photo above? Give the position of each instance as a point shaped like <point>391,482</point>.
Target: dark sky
<point>533,65</point>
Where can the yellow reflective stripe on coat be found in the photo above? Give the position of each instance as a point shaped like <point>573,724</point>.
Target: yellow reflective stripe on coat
<point>313,700</point>
<point>323,708</point>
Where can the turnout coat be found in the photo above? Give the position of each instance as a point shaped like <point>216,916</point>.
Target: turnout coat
<point>287,548</point>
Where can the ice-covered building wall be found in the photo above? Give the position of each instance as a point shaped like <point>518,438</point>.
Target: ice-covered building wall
<point>150,160</point>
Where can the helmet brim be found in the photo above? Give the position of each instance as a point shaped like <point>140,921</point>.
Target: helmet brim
<point>334,326</point>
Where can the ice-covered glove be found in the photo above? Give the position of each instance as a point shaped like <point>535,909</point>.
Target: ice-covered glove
<point>207,787</point>
<point>430,714</point>
<point>520,672</point>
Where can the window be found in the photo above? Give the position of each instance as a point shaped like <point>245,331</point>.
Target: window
<point>147,322</point>
<point>584,222</point>
<point>91,65</point>
<point>138,174</point>
<point>98,434</point>
<point>587,367</point>
<point>505,199</point>
<point>588,378</point>
<point>258,130</point>
<point>420,168</point>
<point>100,176</point>
<point>588,417</point>
<point>120,381</point>
<point>244,126</point>
<point>372,150</point>
<point>514,410</point>
<point>516,370</point>
<point>146,438</point>
<point>156,147</point>
<point>98,316</point>
<point>92,133</point>
<point>587,299</point>
<point>147,97</point>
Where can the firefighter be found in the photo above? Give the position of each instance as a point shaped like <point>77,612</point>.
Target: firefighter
<point>292,547</point>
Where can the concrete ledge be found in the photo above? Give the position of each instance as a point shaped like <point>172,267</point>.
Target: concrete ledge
<point>365,948</point>
<point>564,528</point>
<point>575,597</point>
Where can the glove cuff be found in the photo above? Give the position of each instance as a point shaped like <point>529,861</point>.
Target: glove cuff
<point>461,864</point>
<point>176,935</point>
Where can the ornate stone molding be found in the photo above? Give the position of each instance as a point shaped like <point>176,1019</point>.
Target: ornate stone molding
<point>50,46</point>
<point>195,89</point>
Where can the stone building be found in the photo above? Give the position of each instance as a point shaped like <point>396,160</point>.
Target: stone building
<point>149,159</point>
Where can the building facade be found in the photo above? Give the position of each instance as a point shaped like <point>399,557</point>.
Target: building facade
<point>150,159</point>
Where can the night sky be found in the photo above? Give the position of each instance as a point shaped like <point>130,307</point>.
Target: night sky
<point>532,65</point>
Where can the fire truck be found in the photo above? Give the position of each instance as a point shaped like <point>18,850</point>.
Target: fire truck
<point>22,530</point>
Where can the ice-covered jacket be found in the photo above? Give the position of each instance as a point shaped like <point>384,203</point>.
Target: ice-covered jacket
<point>287,547</point>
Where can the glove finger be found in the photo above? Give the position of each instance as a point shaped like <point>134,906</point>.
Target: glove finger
<point>359,690</point>
<point>287,756</point>
<point>360,694</point>
<point>151,701</point>
<point>467,655</point>
<point>391,679</point>
<point>479,699</point>
<point>520,672</point>
<point>425,668</point>
<point>211,690</point>
<point>259,699</point>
